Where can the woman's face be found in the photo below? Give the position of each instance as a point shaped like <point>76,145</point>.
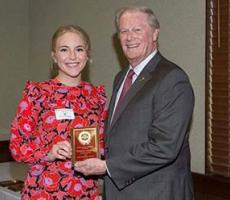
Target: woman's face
<point>70,54</point>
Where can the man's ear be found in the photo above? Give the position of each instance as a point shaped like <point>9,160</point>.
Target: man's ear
<point>155,34</point>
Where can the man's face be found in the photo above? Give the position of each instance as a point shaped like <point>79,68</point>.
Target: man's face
<point>137,38</point>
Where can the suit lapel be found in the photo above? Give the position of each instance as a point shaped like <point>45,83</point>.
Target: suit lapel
<point>117,85</point>
<point>141,80</point>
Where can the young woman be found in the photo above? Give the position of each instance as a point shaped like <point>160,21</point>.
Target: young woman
<point>46,114</point>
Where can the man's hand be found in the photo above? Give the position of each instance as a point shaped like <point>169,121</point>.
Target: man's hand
<point>92,166</point>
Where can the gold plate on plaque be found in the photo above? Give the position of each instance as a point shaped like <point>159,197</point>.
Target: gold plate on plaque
<point>85,143</point>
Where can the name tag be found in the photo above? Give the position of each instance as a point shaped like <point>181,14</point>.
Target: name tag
<point>64,113</point>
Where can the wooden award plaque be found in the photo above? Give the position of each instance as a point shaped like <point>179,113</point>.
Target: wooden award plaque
<point>85,143</point>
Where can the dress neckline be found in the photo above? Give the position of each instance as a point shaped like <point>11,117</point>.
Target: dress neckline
<point>57,82</point>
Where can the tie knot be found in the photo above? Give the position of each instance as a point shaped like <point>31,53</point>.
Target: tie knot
<point>130,74</point>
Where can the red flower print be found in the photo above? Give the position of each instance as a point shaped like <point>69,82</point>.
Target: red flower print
<point>61,127</point>
<point>32,182</point>
<point>25,125</point>
<point>73,94</point>
<point>50,181</point>
<point>60,102</point>
<point>60,195</point>
<point>76,187</point>
<point>79,122</point>
<point>27,150</point>
<point>24,107</point>
<point>57,139</point>
<point>62,91</point>
<point>34,90</point>
<point>88,183</point>
<point>51,168</point>
<point>65,167</point>
<point>65,182</point>
<point>49,120</point>
<point>48,137</point>
<point>36,170</point>
<point>87,90</point>
<point>81,106</point>
<point>14,152</point>
<point>93,119</point>
<point>41,195</point>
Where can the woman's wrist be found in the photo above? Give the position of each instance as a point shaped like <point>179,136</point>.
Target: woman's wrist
<point>50,156</point>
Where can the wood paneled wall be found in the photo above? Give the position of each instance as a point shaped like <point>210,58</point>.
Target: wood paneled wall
<point>5,155</point>
<point>211,187</point>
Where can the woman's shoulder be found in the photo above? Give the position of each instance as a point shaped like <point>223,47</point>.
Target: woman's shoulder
<point>95,91</point>
<point>37,88</point>
<point>40,84</point>
<point>91,87</point>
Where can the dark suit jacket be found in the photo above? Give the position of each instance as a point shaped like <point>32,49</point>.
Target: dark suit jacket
<point>147,148</point>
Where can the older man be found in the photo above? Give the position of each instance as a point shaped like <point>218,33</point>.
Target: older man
<point>147,150</point>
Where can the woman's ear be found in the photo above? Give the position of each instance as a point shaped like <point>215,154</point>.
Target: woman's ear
<point>53,57</point>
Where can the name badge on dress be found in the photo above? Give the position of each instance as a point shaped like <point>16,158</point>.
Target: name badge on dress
<point>64,113</point>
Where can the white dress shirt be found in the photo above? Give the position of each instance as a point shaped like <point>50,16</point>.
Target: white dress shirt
<point>137,70</point>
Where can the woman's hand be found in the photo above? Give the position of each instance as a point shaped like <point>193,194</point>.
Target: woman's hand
<point>61,150</point>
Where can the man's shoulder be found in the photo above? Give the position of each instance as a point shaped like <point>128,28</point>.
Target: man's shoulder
<point>169,66</point>
<point>168,71</point>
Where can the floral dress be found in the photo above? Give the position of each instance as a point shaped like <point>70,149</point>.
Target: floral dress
<point>35,130</point>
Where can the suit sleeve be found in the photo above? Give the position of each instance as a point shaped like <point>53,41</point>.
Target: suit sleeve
<point>172,109</point>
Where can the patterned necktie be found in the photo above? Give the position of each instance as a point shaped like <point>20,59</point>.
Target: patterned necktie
<point>126,86</point>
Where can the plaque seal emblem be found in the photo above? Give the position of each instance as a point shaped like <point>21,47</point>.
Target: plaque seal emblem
<point>84,137</point>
